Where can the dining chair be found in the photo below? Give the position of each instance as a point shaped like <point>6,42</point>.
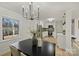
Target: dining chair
<point>14,51</point>
<point>48,49</point>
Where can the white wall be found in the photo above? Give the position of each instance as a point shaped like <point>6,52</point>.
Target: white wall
<point>68,29</point>
<point>64,41</point>
<point>76,29</point>
<point>76,17</point>
<point>23,28</point>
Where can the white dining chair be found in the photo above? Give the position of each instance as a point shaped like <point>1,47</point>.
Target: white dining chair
<point>14,51</point>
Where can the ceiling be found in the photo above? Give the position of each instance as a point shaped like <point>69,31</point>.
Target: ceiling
<point>47,9</point>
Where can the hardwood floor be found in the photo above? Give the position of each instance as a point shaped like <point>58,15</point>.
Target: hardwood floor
<point>62,52</point>
<point>7,53</point>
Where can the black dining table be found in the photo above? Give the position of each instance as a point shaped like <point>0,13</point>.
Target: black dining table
<point>26,47</point>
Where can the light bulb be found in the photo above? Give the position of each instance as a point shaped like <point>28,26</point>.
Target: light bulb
<point>51,19</point>
<point>30,3</point>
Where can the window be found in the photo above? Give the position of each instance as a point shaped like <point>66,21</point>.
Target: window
<point>10,27</point>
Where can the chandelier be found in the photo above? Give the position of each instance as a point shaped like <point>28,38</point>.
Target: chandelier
<point>28,11</point>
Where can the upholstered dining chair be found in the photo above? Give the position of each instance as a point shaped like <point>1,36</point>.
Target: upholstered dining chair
<point>14,51</point>
<point>48,49</point>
